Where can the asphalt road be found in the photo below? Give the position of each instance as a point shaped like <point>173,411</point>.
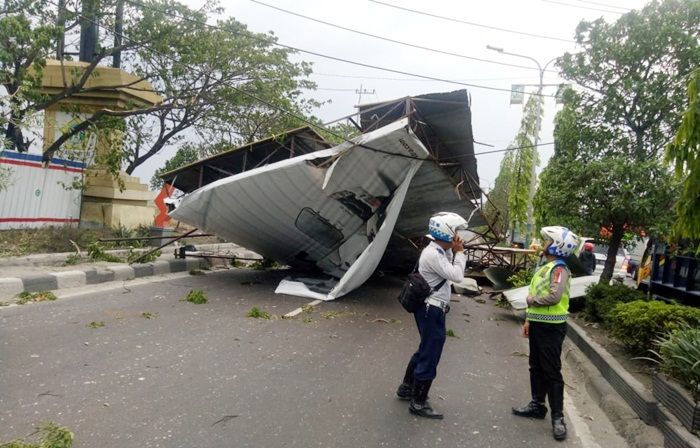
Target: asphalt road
<point>208,376</point>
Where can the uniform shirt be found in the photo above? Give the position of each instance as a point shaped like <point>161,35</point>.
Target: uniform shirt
<point>558,280</point>
<point>436,264</point>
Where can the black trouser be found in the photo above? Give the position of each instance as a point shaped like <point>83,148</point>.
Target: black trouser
<point>431,326</point>
<point>545,364</point>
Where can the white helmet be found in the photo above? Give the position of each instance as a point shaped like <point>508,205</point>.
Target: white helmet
<point>444,226</point>
<point>564,241</point>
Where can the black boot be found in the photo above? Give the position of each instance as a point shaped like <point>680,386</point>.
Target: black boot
<point>533,410</point>
<point>558,427</point>
<point>556,403</point>
<point>419,403</point>
<point>405,390</point>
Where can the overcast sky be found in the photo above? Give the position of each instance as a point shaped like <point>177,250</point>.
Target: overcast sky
<point>494,120</point>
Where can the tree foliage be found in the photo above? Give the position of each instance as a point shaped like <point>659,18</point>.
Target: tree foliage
<point>211,73</point>
<point>496,208</point>
<point>606,171</point>
<point>185,154</point>
<point>684,152</point>
<point>524,162</point>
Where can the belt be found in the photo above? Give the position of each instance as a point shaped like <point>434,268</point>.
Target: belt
<point>437,303</point>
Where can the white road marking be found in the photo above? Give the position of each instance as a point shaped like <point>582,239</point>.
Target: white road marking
<point>297,311</point>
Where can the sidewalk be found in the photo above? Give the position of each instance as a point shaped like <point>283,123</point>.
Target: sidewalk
<point>49,272</point>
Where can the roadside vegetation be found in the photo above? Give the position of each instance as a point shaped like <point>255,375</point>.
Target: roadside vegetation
<point>664,334</point>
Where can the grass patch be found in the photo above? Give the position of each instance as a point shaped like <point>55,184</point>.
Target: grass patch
<point>72,259</point>
<point>149,315</point>
<point>42,296</point>
<point>308,309</point>
<point>502,302</point>
<point>257,313</point>
<point>451,334</point>
<point>307,320</point>
<point>196,296</point>
<point>50,435</point>
<point>336,314</point>
<point>264,264</point>
<point>196,272</point>
<point>18,242</point>
<point>94,324</point>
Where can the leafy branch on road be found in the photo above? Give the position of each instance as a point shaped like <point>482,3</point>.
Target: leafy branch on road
<point>196,296</point>
<point>51,436</point>
<point>42,296</point>
<point>257,313</point>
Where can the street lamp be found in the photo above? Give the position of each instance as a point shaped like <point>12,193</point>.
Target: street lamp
<point>540,86</point>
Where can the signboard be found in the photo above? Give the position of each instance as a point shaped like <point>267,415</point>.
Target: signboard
<point>517,94</point>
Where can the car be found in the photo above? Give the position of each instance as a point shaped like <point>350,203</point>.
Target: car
<point>622,258</point>
<point>600,251</point>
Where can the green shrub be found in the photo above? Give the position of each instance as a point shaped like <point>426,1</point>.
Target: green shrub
<point>602,299</point>
<point>679,354</point>
<point>521,278</point>
<point>637,324</point>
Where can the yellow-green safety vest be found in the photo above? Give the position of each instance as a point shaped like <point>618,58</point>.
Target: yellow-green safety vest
<point>539,287</point>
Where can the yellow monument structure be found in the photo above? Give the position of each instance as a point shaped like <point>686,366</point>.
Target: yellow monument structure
<point>106,202</point>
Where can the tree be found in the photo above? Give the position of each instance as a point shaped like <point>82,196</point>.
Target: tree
<point>496,208</point>
<point>606,171</point>
<point>211,76</point>
<point>186,154</point>
<point>524,161</point>
<point>684,152</point>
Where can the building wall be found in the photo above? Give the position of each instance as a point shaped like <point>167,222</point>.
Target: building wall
<point>37,196</point>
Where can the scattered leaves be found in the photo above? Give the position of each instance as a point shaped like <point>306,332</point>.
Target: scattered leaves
<point>95,324</point>
<point>451,334</point>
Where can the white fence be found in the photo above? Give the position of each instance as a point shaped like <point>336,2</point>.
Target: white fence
<point>38,196</point>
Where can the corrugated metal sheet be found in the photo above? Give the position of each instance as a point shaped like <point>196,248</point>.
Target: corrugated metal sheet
<point>302,214</point>
<point>36,196</point>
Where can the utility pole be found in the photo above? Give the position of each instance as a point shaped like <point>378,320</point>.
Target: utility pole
<point>361,92</point>
<point>89,33</point>
<point>533,178</point>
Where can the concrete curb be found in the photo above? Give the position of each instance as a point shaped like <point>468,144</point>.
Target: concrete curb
<point>51,281</point>
<point>634,394</point>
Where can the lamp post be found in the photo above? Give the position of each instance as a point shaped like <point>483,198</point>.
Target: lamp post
<point>533,178</point>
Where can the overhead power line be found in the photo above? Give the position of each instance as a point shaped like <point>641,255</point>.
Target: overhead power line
<point>338,75</point>
<point>607,5</point>
<point>387,39</point>
<point>582,7</point>
<point>464,22</point>
<point>293,114</point>
<point>326,56</point>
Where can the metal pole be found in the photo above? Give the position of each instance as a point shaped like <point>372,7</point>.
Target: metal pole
<point>118,30</point>
<point>163,245</point>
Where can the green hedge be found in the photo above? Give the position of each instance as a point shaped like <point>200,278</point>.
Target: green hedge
<point>679,354</point>
<point>638,324</point>
<point>602,299</point>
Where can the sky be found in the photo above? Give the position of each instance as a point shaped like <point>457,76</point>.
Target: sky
<point>495,122</point>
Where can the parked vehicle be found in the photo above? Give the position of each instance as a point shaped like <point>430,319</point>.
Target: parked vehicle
<point>600,251</point>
